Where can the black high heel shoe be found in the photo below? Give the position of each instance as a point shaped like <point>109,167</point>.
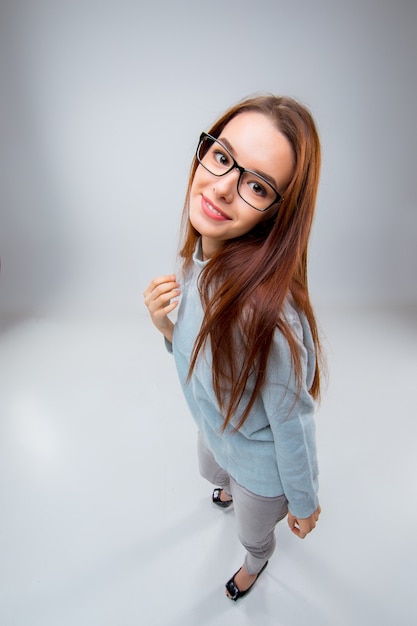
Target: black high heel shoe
<point>216,499</point>
<point>233,590</point>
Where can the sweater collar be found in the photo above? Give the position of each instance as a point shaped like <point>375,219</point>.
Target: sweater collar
<point>198,255</point>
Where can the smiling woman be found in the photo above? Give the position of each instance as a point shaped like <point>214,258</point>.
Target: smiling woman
<point>226,193</point>
<point>245,341</point>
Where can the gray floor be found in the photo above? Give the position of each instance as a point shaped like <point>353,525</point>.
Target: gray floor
<point>105,521</point>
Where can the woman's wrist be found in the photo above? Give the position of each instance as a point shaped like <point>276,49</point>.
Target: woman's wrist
<point>167,330</point>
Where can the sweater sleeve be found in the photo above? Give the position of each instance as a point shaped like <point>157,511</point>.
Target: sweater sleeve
<point>290,411</point>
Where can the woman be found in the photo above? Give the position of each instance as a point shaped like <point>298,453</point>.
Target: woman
<point>245,342</point>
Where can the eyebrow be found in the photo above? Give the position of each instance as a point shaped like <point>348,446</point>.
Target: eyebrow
<point>267,177</point>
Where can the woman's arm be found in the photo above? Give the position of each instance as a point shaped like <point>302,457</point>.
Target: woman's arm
<point>160,300</point>
<point>290,411</point>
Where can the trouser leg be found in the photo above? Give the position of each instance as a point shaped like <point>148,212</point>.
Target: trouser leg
<point>256,519</point>
<point>256,516</point>
<point>210,469</point>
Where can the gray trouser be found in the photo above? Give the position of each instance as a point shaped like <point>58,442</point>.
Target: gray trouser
<point>256,516</point>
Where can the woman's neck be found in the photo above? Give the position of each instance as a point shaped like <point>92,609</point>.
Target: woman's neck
<point>209,247</point>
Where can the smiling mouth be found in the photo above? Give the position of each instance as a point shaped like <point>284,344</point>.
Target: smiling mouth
<point>213,211</point>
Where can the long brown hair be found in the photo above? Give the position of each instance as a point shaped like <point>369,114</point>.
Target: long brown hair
<point>244,285</point>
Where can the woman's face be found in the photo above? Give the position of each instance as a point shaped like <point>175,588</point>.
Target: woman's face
<point>217,211</point>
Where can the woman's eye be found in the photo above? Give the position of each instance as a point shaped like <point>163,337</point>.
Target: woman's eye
<point>221,158</point>
<point>258,189</point>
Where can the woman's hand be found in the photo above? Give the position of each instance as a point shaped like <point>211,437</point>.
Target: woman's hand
<point>301,527</point>
<point>159,298</point>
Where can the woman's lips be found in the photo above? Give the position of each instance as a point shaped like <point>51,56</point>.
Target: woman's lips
<point>213,211</point>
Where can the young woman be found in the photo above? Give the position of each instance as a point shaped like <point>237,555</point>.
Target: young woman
<point>245,341</point>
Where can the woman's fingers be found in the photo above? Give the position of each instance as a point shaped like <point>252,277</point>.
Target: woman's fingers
<point>157,282</point>
<point>160,293</point>
<point>301,527</point>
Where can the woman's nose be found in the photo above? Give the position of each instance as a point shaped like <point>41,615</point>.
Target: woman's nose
<point>226,185</point>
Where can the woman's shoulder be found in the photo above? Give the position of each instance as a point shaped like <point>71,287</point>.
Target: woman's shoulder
<point>291,314</point>
<point>296,320</point>
<point>290,311</point>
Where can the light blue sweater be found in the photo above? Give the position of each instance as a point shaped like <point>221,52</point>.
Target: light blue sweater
<point>274,452</point>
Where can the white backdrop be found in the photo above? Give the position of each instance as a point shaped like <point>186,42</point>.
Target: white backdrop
<point>101,106</point>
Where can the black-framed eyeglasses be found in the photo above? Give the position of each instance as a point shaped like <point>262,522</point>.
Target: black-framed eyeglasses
<point>253,188</point>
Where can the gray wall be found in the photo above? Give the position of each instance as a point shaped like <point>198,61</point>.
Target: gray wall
<point>101,106</point>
